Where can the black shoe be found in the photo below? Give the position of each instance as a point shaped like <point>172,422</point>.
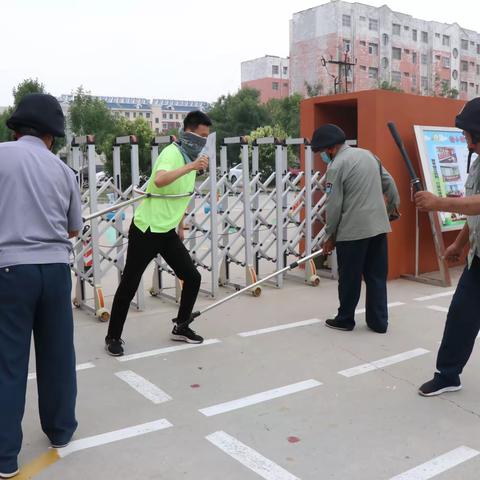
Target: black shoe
<point>438,385</point>
<point>339,325</point>
<point>377,329</point>
<point>185,334</point>
<point>10,474</point>
<point>59,445</point>
<point>114,346</point>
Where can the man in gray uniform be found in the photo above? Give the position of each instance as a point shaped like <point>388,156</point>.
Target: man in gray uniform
<point>357,221</point>
<point>463,318</point>
<point>40,209</point>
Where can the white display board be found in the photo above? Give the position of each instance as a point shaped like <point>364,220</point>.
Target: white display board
<point>444,154</point>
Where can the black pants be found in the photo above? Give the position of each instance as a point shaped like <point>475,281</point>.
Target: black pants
<point>36,298</point>
<point>367,258</point>
<point>463,324</point>
<point>142,249</point>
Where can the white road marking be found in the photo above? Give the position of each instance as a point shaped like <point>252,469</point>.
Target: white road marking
<point>114,436</point>
<point>249,458</point>
<point>160,351</point>
<point>438,465</point>
<point>80,366</point>
<point>390,305</point>
<point>259,398</point>
<point>437,308</point>
<point>383,362</point>
<point>277,328</point>
<point>150,391</point>
<point>436,295</point>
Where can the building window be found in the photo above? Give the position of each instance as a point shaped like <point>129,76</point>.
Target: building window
<point>396,53</point>
<point>385,39</point>
<point>414,81</point>
<point>165,126</point>
<point>425,37</point>
<point>363,19</point>
<point>274,85</point>
<point>373,73</point>
<point>423,59</point>
<point>373,24</point>
<point>384,62</point>
<point>396,77</point>
<point>463,86</point>
<point>157,120</point>
<point>406,28</point>
<point>472,44</point>
<point>373,48</point>
<point>472,64</point>
<point>363,43</point>
<point>275,69</point>
<point>455,75</point>
<point>414,35</point>
<point>445,62</point>
<point>446,40</point>
<point>396,28</point>
<point>285,70</point>
<point>424,81</point>
<point>363,68</point>
<point>437,58</point>
<point>407,51</point>
<point>346,20</point>
<point>134,114</point>
<point>127,114</point>
<point>346,45</point>
<point>464,44</point>
<point>455,53</point>
<point>164,115</point>
<point>414,58</point>
<point>472,84</point>
<point>170,116</point>
<point>478,69</point>
<point>463,66</point>
<point>478,48</point>
<point>406,74</point>
<point>285,84</point>
<point>148,115</point>
<point>437,35</point>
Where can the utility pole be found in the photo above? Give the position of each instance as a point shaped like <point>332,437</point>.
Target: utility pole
<point>344,66</point>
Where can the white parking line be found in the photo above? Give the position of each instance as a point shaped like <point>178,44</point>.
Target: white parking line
<point>114,436</point>
<point>390,305</point>
<point>259,398</point>
<point>436,295</point>
<point>437,308</point>
<point>80,366</point>
<point>144,387</point>
<point>277,328</point>
<point>383,362</point>
<point>248,457</point>
<point>438,465</point>
<point>160,351</point>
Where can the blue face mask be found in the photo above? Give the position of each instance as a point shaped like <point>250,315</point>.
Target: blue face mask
<point>326,157</point>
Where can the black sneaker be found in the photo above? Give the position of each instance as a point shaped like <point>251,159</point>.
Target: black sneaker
<point>114,346</point>
<point>185,334</point>
<point>438,385</point>
<point>339,325</point>
<point>59,445</point>
<point>9,475</point>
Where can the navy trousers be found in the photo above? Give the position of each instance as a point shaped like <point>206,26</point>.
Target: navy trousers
<point>368,259</point>
<point>36,298</point>
<point>462,326</point>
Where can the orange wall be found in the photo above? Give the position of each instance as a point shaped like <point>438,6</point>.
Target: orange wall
<point>364,116</point>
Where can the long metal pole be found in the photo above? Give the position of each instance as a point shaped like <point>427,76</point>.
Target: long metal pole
<point>256,284</point>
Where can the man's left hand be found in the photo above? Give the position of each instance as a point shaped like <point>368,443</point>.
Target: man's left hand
<point>428,202</point>
<point>328,246</point>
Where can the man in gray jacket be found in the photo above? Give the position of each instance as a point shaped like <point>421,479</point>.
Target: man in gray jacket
<point>361,199</point>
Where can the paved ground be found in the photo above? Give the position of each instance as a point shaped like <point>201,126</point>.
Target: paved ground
<point>277,404</point>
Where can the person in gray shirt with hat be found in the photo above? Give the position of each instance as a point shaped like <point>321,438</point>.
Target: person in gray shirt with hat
<point>40,209</point>
<point>362,199</point>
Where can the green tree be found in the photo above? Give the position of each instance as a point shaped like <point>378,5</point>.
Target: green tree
<point>89,115</point>
<point>5,132</point>
<point>237,114</point>
<point>384,85</point>
<point>30,85</point>
<point>285,113</point>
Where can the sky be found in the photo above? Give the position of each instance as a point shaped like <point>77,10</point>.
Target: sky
<point>187,49</point>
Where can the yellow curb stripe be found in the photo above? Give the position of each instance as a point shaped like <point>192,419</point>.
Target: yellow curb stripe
<point>38,465</point>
